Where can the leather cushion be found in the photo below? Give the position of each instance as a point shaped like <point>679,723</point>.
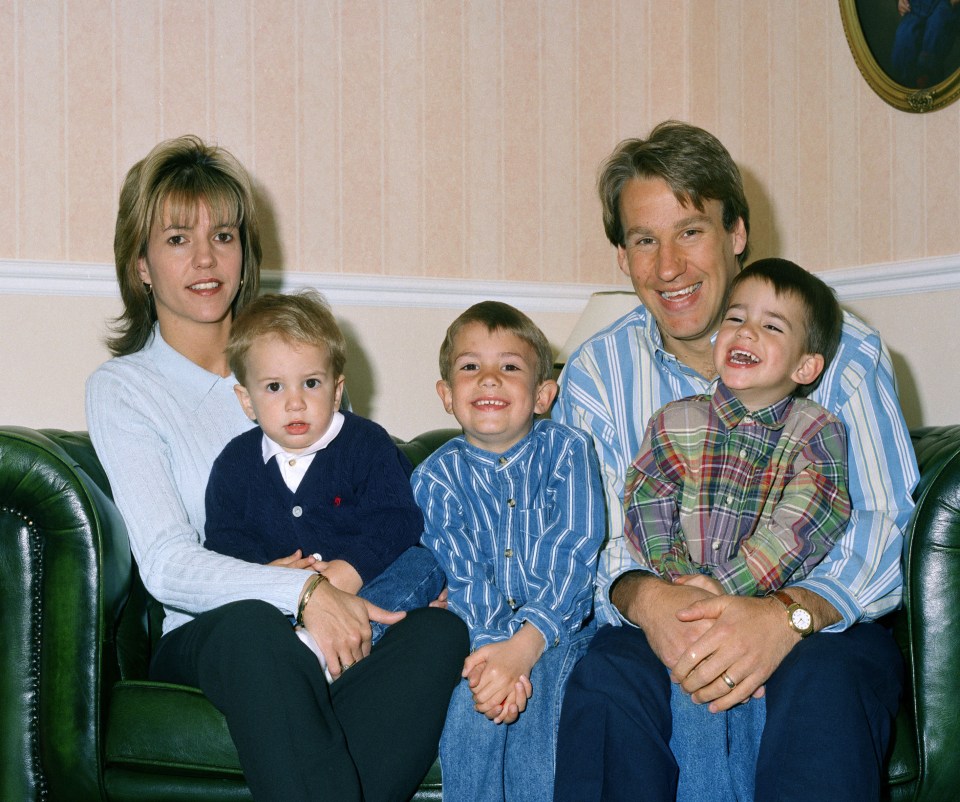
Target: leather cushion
<point>161,727</point>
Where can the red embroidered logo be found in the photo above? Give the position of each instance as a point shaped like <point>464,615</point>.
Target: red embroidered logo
<point>336,501</point>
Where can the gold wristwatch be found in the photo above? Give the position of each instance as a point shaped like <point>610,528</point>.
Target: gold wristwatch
<point>798,616</point>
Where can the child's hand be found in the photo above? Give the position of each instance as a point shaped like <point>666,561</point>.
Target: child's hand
<point>341,574</point>
<point>441,600</point>
<point>702,581</point>
<point>295,560</point>
<point>515,703</point>
<point>505,663</point>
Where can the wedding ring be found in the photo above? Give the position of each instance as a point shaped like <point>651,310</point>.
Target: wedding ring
<point>726,678</point>
<point>345,666</point>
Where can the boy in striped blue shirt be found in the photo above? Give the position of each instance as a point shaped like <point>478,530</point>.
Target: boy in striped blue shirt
<point>514,513</point>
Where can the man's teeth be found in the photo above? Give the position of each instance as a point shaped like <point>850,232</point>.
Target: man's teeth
<point>205,285</point>
<point>743,356</point>
<point>680,293</point>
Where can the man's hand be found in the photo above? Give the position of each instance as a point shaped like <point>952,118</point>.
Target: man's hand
<point>652,604</point>
<point>749,639</point>
<point>341,574</point>
<point>702,581</point>
<point>340,624</point>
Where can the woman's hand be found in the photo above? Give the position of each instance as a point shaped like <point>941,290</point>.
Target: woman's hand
<point>295,560</point>
<point>340,624</point>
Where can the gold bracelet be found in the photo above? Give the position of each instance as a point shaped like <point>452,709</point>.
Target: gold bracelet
<point>306,596</point>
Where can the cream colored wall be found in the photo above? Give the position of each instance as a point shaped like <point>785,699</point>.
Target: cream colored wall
<point>50,345</point>
<point>450,139</point>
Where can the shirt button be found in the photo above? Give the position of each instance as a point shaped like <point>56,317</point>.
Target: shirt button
<point>511,502</point>
<point>292,462</point>
<point>512,602</point>
<point>743,453</point>
<point>502,460</point>
<point>747,419</point>
<point>715,545</point>
<point>556,641</point>
<point>297,511</point>
<point>729,499</point>
<point>508,553</point>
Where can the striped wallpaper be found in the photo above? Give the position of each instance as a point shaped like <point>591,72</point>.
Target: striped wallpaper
<point>459,139</point>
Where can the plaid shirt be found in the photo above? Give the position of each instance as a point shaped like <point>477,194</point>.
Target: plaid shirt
<point>615,381</point>
<point>750,498</point>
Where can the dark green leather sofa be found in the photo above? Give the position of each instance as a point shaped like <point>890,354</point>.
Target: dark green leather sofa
<point>79,722</point>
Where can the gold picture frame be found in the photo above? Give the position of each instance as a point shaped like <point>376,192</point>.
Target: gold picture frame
<point>918,99</point>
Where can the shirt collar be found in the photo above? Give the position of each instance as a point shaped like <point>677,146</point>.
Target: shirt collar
<point>731,411</point>
<point>655,342</point>
<point>271,448</point>
<point>493,458</point>
<point>195,382</point>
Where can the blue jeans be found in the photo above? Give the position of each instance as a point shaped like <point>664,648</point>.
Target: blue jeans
<point>715,752</point>
<point>413,580</point>
<point>483,761</point>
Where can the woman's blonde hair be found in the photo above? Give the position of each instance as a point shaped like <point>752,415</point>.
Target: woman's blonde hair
<point>173,178</point>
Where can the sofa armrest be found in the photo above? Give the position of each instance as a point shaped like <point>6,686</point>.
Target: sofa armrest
<point>65,574</point>
<point>932,607</point>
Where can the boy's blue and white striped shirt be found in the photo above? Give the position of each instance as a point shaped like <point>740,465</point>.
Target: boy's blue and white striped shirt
<point>517,533</point>
<point>614,382</point>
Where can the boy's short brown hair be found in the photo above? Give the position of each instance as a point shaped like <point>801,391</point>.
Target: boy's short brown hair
<point>302,317</point>
<point>823,316</point>
<point>498,316</point>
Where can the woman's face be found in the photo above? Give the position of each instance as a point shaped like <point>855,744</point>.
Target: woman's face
<point>193,266</point>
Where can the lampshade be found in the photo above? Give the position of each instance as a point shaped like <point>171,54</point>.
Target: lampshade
<point>601,310</point>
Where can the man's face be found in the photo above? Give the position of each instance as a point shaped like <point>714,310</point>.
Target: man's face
<point>680,260</point>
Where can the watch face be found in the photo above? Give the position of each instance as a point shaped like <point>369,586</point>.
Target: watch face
<point>801,620</point>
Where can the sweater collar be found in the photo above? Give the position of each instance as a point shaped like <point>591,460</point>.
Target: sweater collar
<point>195,382</point>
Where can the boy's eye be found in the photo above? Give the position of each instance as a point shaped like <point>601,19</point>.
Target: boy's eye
<point>734,318</point>
<point>511,367</point>
<point>312,384</point>
<point>469,366</point>
<point>274,387</point>
<point>771,327</point>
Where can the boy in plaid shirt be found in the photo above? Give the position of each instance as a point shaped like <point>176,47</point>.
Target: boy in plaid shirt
<point>744,490</point>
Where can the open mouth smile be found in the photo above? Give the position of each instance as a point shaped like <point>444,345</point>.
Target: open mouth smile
<point>489,403</point>
<point>674,295</point>
<point>738,357</point>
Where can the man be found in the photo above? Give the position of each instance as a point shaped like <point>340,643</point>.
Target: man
<point>674,208</point>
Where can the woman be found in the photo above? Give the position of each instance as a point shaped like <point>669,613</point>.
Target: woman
<point>187,251</point>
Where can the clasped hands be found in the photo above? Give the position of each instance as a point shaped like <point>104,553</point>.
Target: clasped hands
<point>706,637</point>
<point>499,674</point>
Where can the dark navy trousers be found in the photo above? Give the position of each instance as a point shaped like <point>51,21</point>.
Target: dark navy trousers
<point>830,710</point>
<point>370,735</point>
